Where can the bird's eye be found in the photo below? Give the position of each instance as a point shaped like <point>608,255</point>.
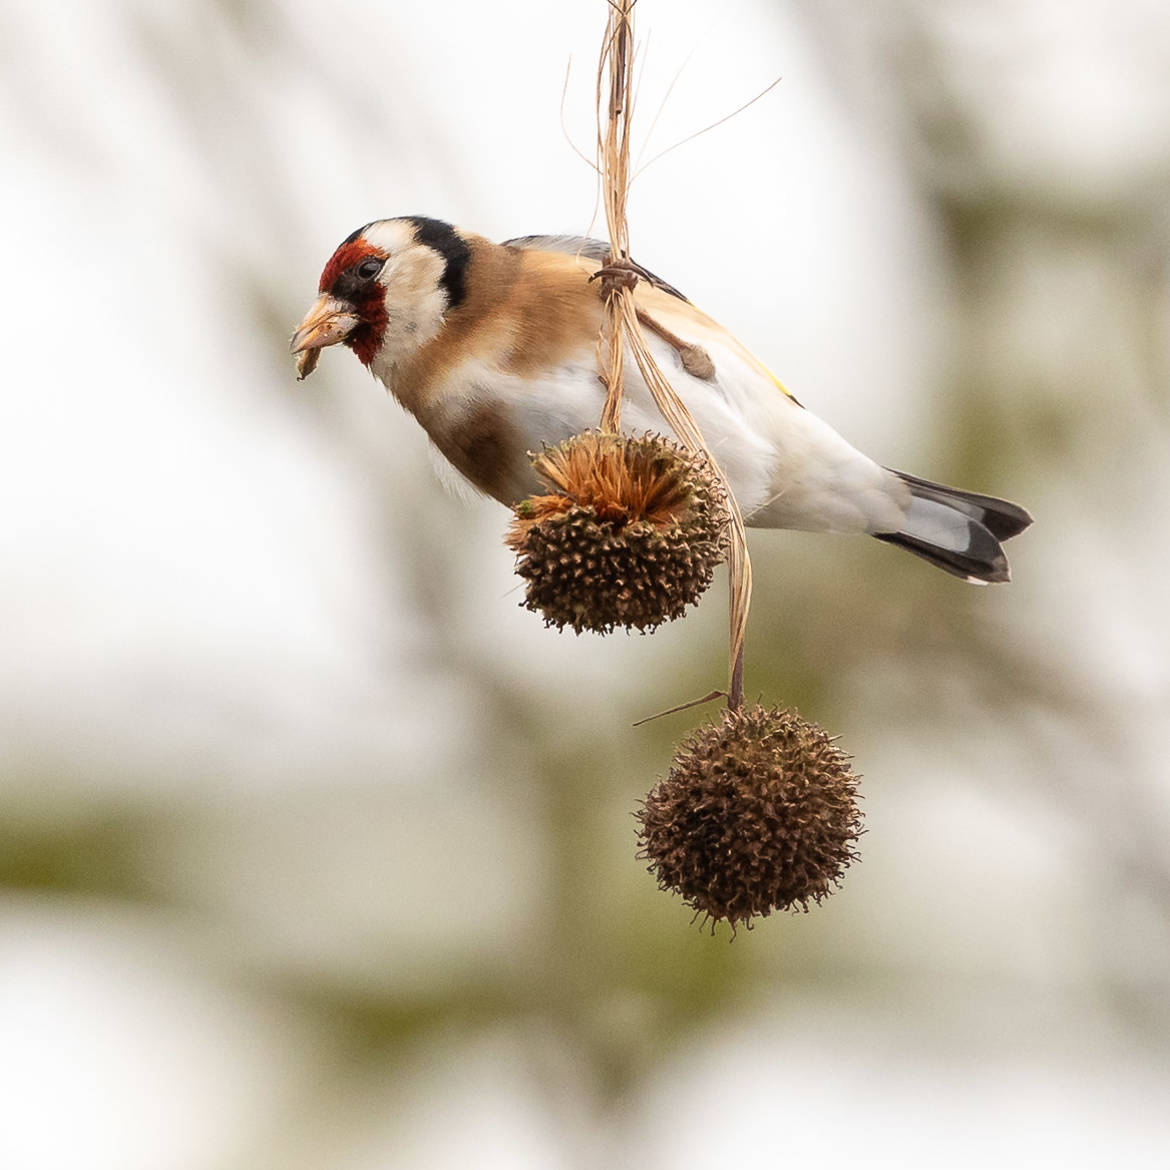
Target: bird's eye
<point>369,268</point>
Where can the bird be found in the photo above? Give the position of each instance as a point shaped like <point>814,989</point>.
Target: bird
<point>493,348</point>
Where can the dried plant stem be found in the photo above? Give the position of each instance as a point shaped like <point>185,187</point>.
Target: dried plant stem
<point>613,152</point>
<point>735,691</point>
<point>615,90</point>
<point>681,707</point>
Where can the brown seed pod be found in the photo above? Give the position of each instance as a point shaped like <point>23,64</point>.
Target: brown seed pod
<point>759,813</point>
<point>629,534</point>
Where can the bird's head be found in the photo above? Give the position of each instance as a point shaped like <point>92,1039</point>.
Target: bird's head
<point>385,292</point>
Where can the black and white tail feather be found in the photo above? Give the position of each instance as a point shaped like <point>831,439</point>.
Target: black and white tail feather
<point>958,531</point>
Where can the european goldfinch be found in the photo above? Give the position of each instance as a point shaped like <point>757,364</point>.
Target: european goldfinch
<point>493,348</point>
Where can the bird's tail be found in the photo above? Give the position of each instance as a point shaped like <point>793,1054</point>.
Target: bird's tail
<point>958,531</point>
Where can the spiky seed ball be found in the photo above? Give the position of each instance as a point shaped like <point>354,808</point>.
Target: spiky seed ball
<point>628,535</point>
<point>759,813</point>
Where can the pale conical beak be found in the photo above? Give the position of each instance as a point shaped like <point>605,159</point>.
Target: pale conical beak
<point>329,321</point>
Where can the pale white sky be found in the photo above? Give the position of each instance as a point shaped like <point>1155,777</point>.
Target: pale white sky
<point>230,599</point>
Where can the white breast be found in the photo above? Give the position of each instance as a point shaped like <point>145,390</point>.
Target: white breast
<point>787,468</point>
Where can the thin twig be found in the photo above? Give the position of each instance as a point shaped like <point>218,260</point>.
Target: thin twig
<point>682,707</point>
<point>590,163</point>
<point>699,133</point>
<point>661,107</point>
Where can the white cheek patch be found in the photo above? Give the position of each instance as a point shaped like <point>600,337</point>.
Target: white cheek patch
<point>415,299</point>
<point>413,295</point>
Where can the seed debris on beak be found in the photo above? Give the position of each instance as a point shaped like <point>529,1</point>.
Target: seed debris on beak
<point>307,362</point>
<point>329,321</point>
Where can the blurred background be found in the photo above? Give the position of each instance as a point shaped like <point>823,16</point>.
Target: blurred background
<point>317,850</point>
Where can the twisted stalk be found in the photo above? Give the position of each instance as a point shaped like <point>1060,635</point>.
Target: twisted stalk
<point>615,99</point>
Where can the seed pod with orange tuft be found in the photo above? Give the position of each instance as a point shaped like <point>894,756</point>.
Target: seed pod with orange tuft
<point>629,534</point>
<point>759,813</point>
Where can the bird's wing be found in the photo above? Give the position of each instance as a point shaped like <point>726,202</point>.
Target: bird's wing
<point>590,249</point>
<point>693,326</point>
<point>562,255</point>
